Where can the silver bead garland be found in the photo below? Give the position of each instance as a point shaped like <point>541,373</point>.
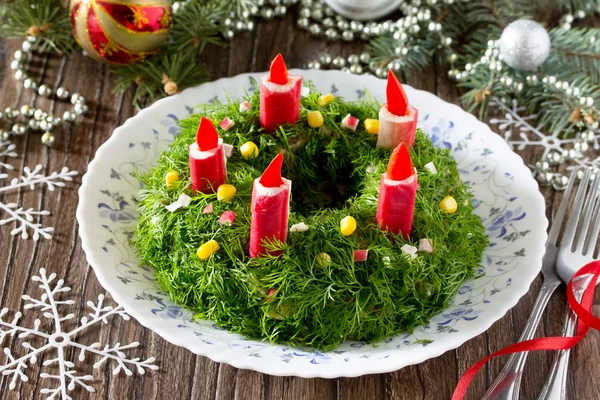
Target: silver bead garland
<point>28,117</point>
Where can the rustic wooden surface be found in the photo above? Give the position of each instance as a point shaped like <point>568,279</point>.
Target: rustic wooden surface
<point>182,374</point>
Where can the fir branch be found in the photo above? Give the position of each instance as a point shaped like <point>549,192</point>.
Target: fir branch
<point>576,48</point>
<point>160,75</point>
<point>46,20</point>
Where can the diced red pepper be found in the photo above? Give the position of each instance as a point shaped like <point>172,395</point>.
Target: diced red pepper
<point>400,165</point>
<point>397,102</point>
<point>278,73</point>
<point>361,255</point>
<point>272,176</point>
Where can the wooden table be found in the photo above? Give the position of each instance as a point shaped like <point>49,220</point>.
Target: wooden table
<point>183,375</point>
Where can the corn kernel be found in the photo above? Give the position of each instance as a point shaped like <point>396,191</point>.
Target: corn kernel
<point>372,126</point>
<point>323,259</point>
<point>315,119</point>
<point>448,205</point>
<point>226,192</point>
<point>207,249</point>
<point>347,225</point>
<point>325,99</point>
<point>249,150</point>
<point>170,178</point>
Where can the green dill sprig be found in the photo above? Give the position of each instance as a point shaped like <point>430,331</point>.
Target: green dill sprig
<point>294,298</point>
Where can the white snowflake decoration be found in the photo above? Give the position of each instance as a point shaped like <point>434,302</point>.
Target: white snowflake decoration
<point>517,130</point>
<point>24,218</point>
<point>68,378</point>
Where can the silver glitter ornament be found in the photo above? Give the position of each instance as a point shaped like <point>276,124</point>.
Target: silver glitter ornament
<point>48,139</point>
<point>525,45</point>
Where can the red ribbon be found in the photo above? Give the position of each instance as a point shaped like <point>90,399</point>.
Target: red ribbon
<point>586,321</point>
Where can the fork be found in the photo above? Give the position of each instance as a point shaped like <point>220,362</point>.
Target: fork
<point>507,384</point>
<point>574,253</point>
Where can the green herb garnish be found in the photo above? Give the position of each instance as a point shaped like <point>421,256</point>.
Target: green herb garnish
<point>330,168</point>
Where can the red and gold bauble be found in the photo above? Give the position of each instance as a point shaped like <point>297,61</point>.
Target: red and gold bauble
<point>120,31</point>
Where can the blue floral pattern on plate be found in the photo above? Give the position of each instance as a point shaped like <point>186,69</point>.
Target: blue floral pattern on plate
<point>504,197</point>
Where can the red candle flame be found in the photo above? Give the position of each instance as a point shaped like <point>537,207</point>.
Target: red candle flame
<point>400,166</point>
<point>207,136</point>
<point>279,72</point>
<point>397,102</point>
<point>272,176</point>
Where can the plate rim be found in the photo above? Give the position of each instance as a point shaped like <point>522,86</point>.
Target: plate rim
<point>235,359</point>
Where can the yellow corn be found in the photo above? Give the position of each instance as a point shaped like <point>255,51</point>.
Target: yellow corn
<point>323,259</point>
<point>347,225</point>
<point>226,192</point>
<point>372,126</point>
<point>315,119</point>
<point>249,150</point>
<point>448,205</point>
<point>207,249</point>
<point>170,178</point>
<point>325,99</point>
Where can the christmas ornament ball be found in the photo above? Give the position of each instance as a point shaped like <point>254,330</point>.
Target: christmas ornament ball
<point>120,32</point>
<point>525,45</point>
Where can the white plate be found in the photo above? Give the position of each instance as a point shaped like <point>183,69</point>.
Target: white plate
<point>506,198</point>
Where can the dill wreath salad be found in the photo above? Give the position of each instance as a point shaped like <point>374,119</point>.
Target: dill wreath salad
<point>335,260</point>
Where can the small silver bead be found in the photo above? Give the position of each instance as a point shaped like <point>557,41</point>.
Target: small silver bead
<point>29,84</point>
<point>34,124</point>
<point>317,14</point>
<point>328,23</point>
<point>62,93</point>
<point>56,121</point>
<point>554,157</point>
<point>347,36</point>
<point>545,178</point>
<point>581,147</point>
<point>542,166</point>
<point>303,22</point>
<point>339,62</point>
<point>250,25</point>
<point>39,115</point>
<point>44,90</point>
<point>14,65</point>
<point>588,136</point>
<point>314,29</point>
<point>69,116</point>
<point>316,65</point>
<point>356,69</point>
<point>20,75</point>
<point>19,55</point>
<point>353,59</point>
<point>569,154</point>
<point>267,13</point>
<point>11,113</point>
<point>5,135</point>
<point>18,129</point>
<point>325,59</point>
<point>280,11</point>
<point>345,69</point>
<point>229,34</point>
<point>356,26</point>
<point>1,114</point>
<point>26,46</point>
<point>80,109</point>
<point>76,98</point>
<point>343,25</point>
<point>31,39</point>
<point>332,34</point>
<point>365,58</point>
<point>560,182</point>
<point>48,139</point>
<point>27,111</point>
<point>46,126</point>
<point>305,12</point>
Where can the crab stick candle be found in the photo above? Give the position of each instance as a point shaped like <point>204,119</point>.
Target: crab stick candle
<point>270,209</point>
<point>279,96</point>
<point>207,159</point>
<point>397,194</point>
<point>397,118</point>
